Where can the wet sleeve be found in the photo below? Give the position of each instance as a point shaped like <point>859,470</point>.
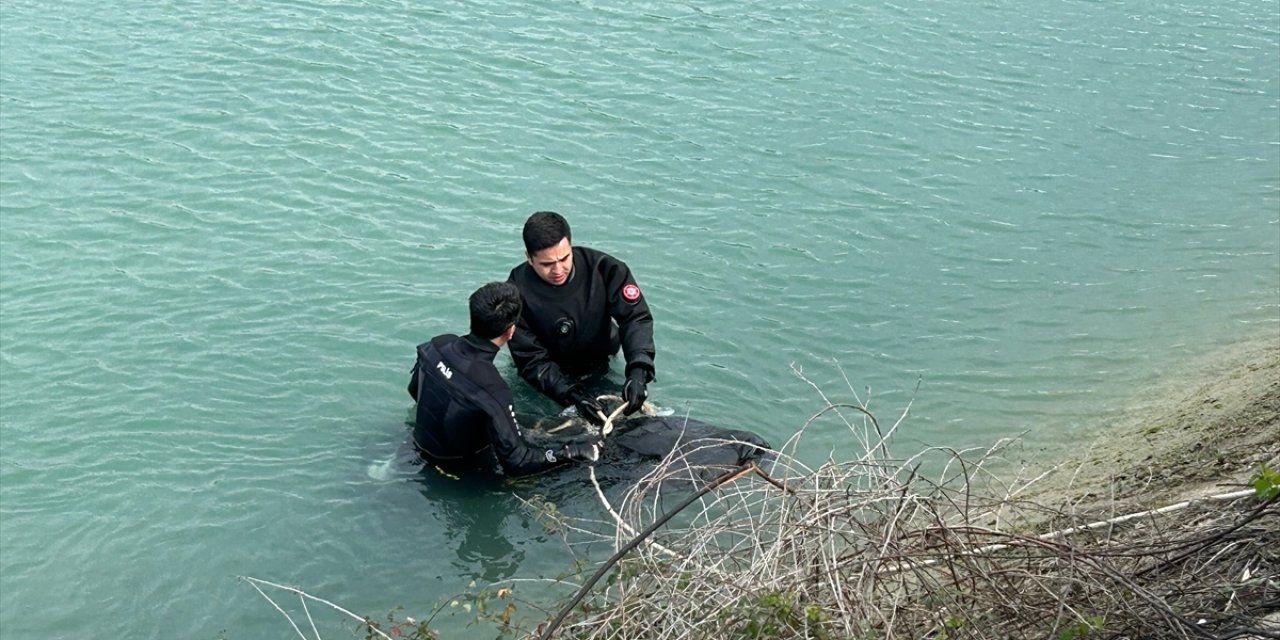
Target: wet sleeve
<point>535,365</point>
<point>629,308</point>
<point>514,454</point>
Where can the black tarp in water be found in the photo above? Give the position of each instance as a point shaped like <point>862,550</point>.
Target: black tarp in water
<point>640,443</point>
<point>636,446</point>
<point>478,510</point>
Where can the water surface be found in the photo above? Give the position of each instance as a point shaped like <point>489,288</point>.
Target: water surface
<point>225,227</point>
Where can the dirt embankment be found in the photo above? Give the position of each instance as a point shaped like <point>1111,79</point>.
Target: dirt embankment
<point>1186,440</point>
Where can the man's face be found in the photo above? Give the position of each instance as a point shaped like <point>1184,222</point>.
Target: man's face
<point>554,263</point>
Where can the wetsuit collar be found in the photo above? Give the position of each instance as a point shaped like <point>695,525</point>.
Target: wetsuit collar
<point>572,272</point>
<point>481,343</point>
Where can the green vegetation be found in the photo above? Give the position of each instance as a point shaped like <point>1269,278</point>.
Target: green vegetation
<point>1090,628</point>
<point>1266,482</point>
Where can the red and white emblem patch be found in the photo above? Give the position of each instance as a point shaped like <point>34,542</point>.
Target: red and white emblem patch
<point>631,293</point>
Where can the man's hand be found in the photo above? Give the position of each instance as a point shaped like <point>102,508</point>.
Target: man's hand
<point>581,451</point>
<point>636,390</point>
<point>589,408</point>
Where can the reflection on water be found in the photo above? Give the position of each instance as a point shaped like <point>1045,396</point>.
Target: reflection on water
<point>475,513</point>
<point>475,516</point>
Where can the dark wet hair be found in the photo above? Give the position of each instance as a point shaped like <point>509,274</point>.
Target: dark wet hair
<point>545,229</point>
<point>494,307</point>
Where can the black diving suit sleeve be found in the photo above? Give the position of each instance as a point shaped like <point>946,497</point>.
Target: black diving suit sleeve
<point>630,310</point>
<point>514,454</point>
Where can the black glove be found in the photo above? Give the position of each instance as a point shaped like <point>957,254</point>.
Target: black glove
<point>581,451</point>
<point>589,408</point>
<point>636,390</point>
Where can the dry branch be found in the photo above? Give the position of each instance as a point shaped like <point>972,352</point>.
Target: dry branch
<point>872,548</point>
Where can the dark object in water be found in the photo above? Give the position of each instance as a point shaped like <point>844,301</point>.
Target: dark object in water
<point>708,449</point>
<point>690,449</point>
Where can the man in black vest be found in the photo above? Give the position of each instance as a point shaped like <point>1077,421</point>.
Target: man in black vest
<point>465,418</point>
<point>580,306</point>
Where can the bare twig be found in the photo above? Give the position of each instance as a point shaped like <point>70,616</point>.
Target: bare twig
<point>303,594</point>
<point>604,568</point>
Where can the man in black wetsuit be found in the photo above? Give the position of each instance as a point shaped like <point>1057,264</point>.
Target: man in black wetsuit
<point>465,418</point>
<point>580,306</point>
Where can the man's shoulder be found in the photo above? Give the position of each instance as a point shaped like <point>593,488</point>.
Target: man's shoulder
<point>597,258</point>
<point>486,374</point>
<point>439,341</point>
<point>471,361</point>
<point>520,274</point>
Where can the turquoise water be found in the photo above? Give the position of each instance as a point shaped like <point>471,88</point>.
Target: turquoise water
<point>224,227</point>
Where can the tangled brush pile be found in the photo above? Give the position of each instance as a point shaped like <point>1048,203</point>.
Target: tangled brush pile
<point>871,548</point>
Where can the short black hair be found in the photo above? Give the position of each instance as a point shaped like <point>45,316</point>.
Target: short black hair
<point>494,308</point>
<point>545,229</point>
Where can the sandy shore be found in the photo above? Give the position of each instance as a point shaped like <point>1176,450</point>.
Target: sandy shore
<point>1198,434</point>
